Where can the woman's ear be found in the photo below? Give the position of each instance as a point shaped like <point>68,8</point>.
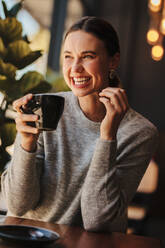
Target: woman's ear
<point>114,61</point>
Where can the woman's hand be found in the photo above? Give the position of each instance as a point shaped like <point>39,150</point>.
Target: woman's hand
<point>29,134</point>
<point>116,104</point>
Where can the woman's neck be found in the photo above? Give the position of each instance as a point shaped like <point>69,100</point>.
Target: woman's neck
<point>92,108</point>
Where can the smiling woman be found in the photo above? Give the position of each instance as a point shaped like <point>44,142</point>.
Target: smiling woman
<point>86,172</point>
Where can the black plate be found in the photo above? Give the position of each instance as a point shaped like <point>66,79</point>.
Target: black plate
<point>29,235</point>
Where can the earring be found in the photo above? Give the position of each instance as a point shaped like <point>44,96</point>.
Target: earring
<point>112,74</point>
<point>114,80</point>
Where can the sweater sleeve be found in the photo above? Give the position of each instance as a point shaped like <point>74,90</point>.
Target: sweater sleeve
<point>21,180</point>
<point>112,179</point>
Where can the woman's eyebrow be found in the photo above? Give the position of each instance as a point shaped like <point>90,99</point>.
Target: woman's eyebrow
<point>67,51</point>
<point>89,51</point>
<point>84,52</point>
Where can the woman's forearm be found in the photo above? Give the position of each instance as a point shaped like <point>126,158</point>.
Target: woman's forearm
<point>21,182</point>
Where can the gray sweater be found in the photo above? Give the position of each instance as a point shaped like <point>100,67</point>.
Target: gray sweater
<point>76,178</point>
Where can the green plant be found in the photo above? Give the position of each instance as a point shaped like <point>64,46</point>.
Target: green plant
<point>15,54</point>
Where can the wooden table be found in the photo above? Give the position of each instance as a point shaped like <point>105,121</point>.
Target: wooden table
<point>76,237</point>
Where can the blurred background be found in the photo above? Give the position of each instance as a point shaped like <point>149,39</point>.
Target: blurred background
<point>142,73</point>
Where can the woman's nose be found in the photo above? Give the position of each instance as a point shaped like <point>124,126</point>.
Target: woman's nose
<point>77,67</point>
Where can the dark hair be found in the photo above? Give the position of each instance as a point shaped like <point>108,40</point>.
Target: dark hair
<point>100,28</point>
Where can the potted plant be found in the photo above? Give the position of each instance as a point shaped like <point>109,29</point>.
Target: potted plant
<point>15,54</point>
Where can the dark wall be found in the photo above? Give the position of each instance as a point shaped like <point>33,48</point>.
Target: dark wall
<point>143,78</point>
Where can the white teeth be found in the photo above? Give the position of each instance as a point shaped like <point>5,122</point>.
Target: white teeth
<point>80,80</point>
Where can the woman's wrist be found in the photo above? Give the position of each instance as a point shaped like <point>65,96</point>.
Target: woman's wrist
<point>107,137</point>
<point>29,147</point>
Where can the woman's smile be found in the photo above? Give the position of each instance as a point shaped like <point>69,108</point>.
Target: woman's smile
<point>81,82</point>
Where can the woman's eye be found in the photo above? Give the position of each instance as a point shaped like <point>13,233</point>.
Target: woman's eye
<point>88,57</point>
<point>67,56</point>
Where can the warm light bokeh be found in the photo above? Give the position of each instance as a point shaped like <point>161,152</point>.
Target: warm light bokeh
<point>155,5</point>
<point>152,36</point>
<point>162,26</point>
<point>157,52</point>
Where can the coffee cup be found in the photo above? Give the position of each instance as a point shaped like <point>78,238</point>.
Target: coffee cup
<point>48,107</point>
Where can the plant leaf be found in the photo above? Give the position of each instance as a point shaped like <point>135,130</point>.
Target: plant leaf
<point>3,84</point>
<point>10,88</point>
<point>15,9</point>
<point>17,50</point>
<point>6,129</point>
<point>25,38</point>
<point>7,69</point>
<point>7,87</point>
<point>6,12</point>
<point>42,87</point>
<point>10,29</point>
<point>20,54</point>
<point>30,80</point>
<point>3,50</point>
<point>29,59</point>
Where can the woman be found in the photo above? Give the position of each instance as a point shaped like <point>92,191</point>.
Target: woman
<point>87,171</point>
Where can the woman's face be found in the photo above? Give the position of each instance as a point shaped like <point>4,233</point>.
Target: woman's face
<point>86,63</point>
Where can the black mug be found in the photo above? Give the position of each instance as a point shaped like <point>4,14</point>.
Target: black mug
<point>48,107</point>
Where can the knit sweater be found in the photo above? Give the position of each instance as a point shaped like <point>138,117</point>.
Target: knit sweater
<point>75,177</point>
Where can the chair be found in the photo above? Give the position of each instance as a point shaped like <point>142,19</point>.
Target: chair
<point>140,205</point>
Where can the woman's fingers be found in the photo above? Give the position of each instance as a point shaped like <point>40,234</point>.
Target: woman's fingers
<point>114,99</point>
<point>27,129</point>
<point>22,119</point>
<point>123,93</point>
<point>107,102</point>
<point>29,133</point>
<point>21,123</point>
<point>117,97</point>
<point>17,104</point>
<point>116,104</point>
<point>26,117</point>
